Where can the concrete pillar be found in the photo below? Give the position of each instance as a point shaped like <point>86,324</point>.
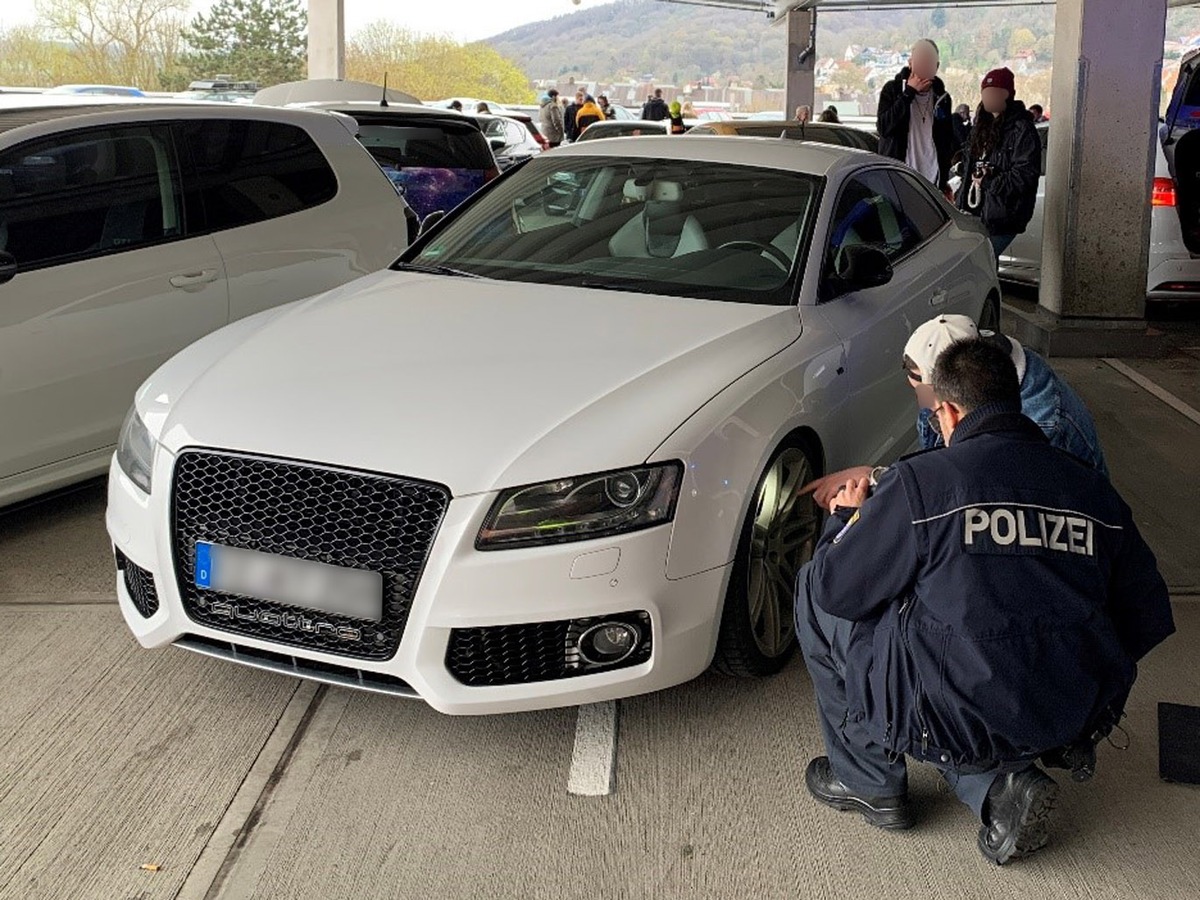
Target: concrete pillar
<point>1104,108</point>
<point>801,77</point>
<point>326,39</point>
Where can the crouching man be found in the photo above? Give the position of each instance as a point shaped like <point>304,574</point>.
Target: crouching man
<point>984,606</point>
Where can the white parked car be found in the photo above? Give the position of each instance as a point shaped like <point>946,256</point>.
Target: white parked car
<point>551,456</point>
<point>1174,271</point>
<point>128,229</point>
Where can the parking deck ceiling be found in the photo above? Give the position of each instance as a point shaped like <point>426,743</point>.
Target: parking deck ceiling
<point>780,7</point>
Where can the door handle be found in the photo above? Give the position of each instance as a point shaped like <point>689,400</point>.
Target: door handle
<point>938,299</point>
<point>191,279</point>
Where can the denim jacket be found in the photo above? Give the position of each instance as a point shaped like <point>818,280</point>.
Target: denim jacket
<point>1053,405</point>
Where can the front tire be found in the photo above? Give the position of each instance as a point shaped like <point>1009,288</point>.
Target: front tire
<point>757,634</point>
<point>989,316</point>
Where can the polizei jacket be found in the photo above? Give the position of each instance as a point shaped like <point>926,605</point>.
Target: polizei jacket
<point>1002,597</point>
<point>895,114</point>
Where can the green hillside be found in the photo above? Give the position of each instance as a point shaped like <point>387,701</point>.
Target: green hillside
<point>673,43</point>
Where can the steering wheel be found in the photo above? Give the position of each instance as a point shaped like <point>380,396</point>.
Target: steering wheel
<point>776,255</point>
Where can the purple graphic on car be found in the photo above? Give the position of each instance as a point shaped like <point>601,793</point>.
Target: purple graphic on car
<point>430,189</point>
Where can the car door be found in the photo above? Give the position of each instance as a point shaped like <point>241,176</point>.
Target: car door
<point>268,196</point>
<point>875,323</point>
<point>109,284</point>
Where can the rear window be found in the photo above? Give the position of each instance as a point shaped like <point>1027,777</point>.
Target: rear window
<point>401,146</point>
<point>436,166</point>
<point>246,171</point>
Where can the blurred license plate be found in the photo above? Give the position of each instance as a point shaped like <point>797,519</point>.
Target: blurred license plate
<point>295,582</point>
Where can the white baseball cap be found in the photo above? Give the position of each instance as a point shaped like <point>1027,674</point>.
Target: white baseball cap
<point>934,336</point>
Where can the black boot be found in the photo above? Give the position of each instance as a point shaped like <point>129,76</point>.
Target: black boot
<point>882,812</point>
<point>1017,815</point>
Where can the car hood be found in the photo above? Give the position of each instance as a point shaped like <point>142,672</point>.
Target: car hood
<point>472,383</point>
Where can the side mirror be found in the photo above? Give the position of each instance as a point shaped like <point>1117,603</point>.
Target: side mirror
<point>497,143</point>
<point>8,267</point>
<point>430,220</point>
<point>861,266</point>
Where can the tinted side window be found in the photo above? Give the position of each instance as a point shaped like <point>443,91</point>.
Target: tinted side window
<point>244,171</point>
<point>87,193</point>
<point>869,212</point>
<point>921,210</point>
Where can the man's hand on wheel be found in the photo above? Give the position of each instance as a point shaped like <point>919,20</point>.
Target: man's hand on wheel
<point>826,488</point>
<point>852,495</point>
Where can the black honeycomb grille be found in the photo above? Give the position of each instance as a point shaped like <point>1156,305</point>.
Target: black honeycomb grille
<point>536,651</point>
<point>140,585</point>
<point>344,518</point>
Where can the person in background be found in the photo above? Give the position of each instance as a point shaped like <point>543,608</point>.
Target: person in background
<point>588,114</point>
<point>655,109</point>
<point>1003,163</point>
<point>962,127</point>
<point>550,118</point>
<point>677,126</point>
<point>605,107</point>
<point>1038,114</point>
<point>483,109</point>
<point>915,117</point>
<point>456,105</point>
<point>981,608</point>
<point>570,127</point>
<point>803,114</point>
<point>689,111</point>
<point>830,115</point>
<point>1046,399</point>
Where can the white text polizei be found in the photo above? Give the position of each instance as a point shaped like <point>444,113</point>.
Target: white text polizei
<point>1019,527</point>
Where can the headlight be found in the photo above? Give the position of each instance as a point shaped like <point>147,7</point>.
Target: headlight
<point>135,451</point>
<point>575,509</point>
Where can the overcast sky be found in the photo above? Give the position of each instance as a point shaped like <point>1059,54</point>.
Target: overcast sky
<point>466,20</point>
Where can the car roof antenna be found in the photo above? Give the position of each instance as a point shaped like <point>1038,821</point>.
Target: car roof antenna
<point>383,100</point>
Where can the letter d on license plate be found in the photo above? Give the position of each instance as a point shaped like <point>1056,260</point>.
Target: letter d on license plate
<point>294,582</point>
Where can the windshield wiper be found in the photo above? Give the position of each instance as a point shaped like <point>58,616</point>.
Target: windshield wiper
<point>433,270</point>
<point>675,289</point>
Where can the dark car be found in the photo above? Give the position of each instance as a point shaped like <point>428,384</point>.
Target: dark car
<point>818,132</point>
<point>436,158</point>
<point>511,139</point>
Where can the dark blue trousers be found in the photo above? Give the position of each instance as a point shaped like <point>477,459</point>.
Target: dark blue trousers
<point>860,763</point>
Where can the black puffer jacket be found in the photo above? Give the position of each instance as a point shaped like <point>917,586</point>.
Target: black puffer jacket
<point>895,113</point>
<point>1015,163</point>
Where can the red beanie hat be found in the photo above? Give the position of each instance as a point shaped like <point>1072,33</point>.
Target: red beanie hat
<point>1001,78</point>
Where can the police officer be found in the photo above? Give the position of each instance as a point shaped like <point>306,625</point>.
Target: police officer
<point>984,606</point>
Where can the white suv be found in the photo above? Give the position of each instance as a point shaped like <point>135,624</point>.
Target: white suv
<point>130,229</point>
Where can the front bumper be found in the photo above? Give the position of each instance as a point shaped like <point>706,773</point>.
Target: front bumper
<point>461,588</point>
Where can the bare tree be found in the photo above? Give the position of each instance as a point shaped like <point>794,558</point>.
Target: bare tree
<point>122,41</point>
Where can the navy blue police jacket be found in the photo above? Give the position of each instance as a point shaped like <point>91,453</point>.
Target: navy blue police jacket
<point>1002,597</point>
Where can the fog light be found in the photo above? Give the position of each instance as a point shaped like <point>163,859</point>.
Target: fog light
<point>608,643</point>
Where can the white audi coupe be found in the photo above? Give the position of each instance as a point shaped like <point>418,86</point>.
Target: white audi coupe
<point>551,456</point>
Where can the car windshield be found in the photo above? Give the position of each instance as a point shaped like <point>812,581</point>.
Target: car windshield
<point>663,226</point>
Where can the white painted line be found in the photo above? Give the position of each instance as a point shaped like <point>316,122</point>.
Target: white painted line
<point>594,759</point>
<point>1160,392</point>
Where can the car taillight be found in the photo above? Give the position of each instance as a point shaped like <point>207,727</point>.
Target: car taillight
<point>1163,192</point>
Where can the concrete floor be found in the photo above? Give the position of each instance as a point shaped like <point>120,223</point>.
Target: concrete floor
<point>237,783</point>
